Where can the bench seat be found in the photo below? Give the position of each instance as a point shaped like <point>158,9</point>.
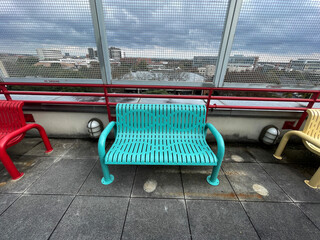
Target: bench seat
<point>160,134</point>
<point>165,150</point>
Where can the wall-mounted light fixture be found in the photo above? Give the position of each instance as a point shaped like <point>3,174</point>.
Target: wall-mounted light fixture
<point>95,127</point>
<point>269,135</point>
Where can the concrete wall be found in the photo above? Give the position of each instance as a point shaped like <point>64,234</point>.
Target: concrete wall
<point>232,127</point>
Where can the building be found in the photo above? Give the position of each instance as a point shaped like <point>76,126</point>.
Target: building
<point>91,53</point>
<point>68,63</point>
<point>202,71</point>
<point>234,61</point>
<point>202,61</point>
<point>3,71</point>
<point>115,53</point>
<point>95,53</point>
<point>207,71</point>
<point>309,65</point>
<point>49,54</point>
<point>210,70</point>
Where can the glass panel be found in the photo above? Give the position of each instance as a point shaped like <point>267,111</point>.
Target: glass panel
<point>47,39</point>
<point>164,40</point>
<point>276,44</point>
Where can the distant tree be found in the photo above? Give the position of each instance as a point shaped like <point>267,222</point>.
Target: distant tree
<point>28,60</point>
<point>55,65</point>
<point>142,66</point>
<point>119,71</point>
<point>156,91</point>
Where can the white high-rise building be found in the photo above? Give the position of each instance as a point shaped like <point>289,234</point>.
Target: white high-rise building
<point>49,54</point>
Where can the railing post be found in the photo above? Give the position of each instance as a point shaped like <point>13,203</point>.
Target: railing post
<point>229,30</point>
<point>5,92</point>
<point>100,34</point>
<point>208,102</point>
<point>314,98</point>
<point>107,104</point>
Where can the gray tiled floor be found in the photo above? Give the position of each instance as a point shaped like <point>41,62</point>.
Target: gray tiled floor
<point>219,220</point>
<point>156,219</point>
<point>280,221</point>
<point>105,214</point>
<point>61,196</point>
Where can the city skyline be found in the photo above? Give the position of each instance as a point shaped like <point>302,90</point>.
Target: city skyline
<point>273,30</point>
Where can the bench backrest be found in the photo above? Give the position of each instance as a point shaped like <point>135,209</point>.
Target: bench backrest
<point>312,126</point>
<point>174,119</point>
<point>11,116</point>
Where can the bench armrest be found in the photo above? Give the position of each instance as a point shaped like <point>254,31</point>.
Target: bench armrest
<point>218,137</point>
<point>103,138</point>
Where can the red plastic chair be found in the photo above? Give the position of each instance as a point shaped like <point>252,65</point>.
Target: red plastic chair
<point>13,128</point>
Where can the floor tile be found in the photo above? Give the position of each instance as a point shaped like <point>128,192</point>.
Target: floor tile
<point>300,156</point>
<point>156,219</point>
<point>93,218</point>
<point>121,186</point>
<point>63,177</point>
<point>32,167</point>
<point>158,181</point>
<point>291,179</point>
<point>33,217</point>
<point>237,154</point>
<point>196,186</point>
<point>219,220</point>
<point>312,210</point>
<point>24,146</point>
<point>263,155</point>
<point>280,221</point>
<point>83,148</point>
<point>6,200</point>
<point>60,147</point>
<point>252,183</point>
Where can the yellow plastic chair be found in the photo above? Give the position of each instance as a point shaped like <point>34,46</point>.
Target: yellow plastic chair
<point>311,139</point>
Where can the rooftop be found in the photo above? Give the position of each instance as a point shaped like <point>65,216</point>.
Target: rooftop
<point>61,197</point>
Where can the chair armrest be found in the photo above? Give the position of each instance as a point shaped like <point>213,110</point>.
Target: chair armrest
<point>103,138</point>
<point>15,133</point>
<point>218,137</point>
<point>304,136</point>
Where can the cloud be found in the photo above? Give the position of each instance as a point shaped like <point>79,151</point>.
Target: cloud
<point>165,28</point>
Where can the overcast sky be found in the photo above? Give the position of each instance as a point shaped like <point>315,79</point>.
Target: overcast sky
<point>271,29</point>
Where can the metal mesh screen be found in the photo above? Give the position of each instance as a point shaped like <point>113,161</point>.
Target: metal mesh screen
<point>47,39</point>
<point>276,44</point>
<point>164,40</point>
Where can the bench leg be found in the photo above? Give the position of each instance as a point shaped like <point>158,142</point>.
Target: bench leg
<point>314,182</point>
<point>213,178</point>
<point>8,164</point>
<point>44,137</point>
<point>107,177</point>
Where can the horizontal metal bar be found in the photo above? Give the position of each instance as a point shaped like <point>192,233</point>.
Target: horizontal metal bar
<point>51,84</point>
<point>63,102</point>
<point>262,99</point>
<point>156,96</point>
<point>258,107</point>
<point>81,94</point>
<point>159,87</point>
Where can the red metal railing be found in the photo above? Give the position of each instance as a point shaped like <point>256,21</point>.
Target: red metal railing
<point>314,96</point>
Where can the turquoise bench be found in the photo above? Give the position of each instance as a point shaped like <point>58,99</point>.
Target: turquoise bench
<point>160,134</point>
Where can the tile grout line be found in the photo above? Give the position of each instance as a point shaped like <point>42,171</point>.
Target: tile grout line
<point>275,182</point>
<point>74,197</point>
<point>23,192</point>
<point>185,202</point>
<point>241,203</point>
<point>125,217</point>
<point>297,205</point>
